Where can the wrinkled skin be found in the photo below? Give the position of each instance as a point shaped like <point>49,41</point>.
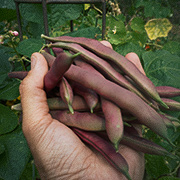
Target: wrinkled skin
<point>58,153</point>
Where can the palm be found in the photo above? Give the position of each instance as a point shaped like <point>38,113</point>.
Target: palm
<point>69,154</point>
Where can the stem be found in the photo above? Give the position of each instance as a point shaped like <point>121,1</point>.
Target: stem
<point>13,46</point>
<point>25,59</point>
<point>154,44</point>
<point>44,45</point>
<point>33,171</point>
<point>22,64</point>
<point>97,9</point>
<point>11,38</point>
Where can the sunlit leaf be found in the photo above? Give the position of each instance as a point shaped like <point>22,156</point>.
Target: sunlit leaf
<point>158,28</point>
<point>137,24</point>
<point>129,47</point>
<point>116,26</point>
<point>86,6</point>
<point>117,33</point>
<point>89,32</point>
<point>29,46</point>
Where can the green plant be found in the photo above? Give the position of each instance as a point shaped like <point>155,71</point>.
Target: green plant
<point>125,30</point>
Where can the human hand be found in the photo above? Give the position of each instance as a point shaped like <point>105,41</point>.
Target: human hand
<point>58,153</point>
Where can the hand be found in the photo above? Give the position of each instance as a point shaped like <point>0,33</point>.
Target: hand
<point>58,153</point>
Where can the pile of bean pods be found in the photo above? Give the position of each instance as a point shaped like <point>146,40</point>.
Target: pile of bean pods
<point>100,95</point>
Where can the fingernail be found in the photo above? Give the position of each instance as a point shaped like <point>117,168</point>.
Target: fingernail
<point>33,61</point>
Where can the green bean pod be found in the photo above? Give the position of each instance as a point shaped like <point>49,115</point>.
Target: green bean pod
<point>124,64</point>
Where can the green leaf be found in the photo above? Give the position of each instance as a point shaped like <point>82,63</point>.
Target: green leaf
<point>158,28</point>
<point>173,47</point>
<point>59,14</point>
<point>139,38</point>
<point>5,64</point>
<point>28,46</point>
<point>168,178</point>
<point>129,47</point>
<point>2,148</point>
<point>32,12</point>
<point>10,91</point>
<point>90,20</point>
<point>116,31</point>
<point>16,155</point>
<point>154,8</point>
<point>30,172</point>
<point>8,120</point>
<point>162,68</point>
<point>35,29</point>
<point>118,38</point>
<point>89,32</point>
<point>116,26</point>
<point>137,24</point>
<point>7,14</point>
<point>155,166</point>
<point>7,4</point>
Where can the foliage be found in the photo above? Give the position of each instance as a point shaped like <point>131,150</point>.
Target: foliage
<point>131,26</point>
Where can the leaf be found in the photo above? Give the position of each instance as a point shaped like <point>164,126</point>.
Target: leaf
<point>5,64</point>
<point>28,46</point>
<point>137,24</point>
<point>7,14</point>
<point>117,33</point>
<point>32,12</point>
<point>59,14</point>
<point>86,6</point>
<point>173,47</point>
<point>139,38</point>
<point>154,8</point>
<point>116,26</point>
<point>129,47</point>
<point>158,28</point>
<point>7,4</point>
<point>155,166</point>
<point>118,38</point>
<point>35,29</point>
<point>30,172</point>
<point>2,148</point>
<point>168,178</point>
<point>15,156</point>
<point>89,32</point>
<point>8,120</point>
<point>10,91</point>
<point>162,68</point>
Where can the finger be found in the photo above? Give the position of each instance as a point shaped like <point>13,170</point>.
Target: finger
<point>133,57</point>
<point>106,43</point>
<point>33,97</point>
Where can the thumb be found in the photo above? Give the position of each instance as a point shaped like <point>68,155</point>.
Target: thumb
<point>33,97</point>
<point>133,57</point>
